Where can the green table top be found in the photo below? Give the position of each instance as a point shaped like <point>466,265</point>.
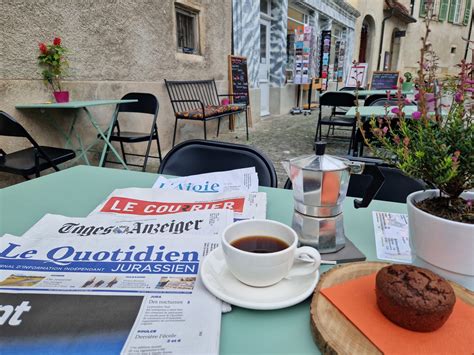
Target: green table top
<point>78,190</point>
<point>365,93</point>
<point>367,111</point>
<point>73,104</point>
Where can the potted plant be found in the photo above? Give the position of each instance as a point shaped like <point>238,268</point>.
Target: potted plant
<point>437,147</point>
<point>54,64</point>
<point>407,84</point>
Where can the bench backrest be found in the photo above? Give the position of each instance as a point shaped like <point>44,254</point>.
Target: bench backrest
<point>202,90</point>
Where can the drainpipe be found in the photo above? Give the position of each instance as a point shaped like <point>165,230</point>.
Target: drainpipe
<point>392,12</point>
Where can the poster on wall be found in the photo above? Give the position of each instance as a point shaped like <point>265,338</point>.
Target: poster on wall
<point>325,51</point>
<point>303,40</point>
<point>358,72</point>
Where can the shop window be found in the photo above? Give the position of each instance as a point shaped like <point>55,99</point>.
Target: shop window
<point>265,7</point>
<point>295,18</point>
<point>187,30</point>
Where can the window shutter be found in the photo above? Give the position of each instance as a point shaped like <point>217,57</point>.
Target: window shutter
<point>422,12</point>
<point>452,9</point>
<point>443,10</point>
<point>467,13</point>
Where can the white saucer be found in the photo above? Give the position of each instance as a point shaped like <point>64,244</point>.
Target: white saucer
<point>221,283</point>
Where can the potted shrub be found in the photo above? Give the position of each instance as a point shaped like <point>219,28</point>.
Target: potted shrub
<point>437,147</point>
<point>54,64</point>
<point>407,84</point>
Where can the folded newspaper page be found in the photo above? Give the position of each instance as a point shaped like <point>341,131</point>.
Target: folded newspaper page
<point>164,272</point>
<point>237,180</point>
<point>210,223</point>
<point>155,202</point>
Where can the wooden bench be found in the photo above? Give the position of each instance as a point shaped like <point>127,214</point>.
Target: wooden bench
<point>198,100</point>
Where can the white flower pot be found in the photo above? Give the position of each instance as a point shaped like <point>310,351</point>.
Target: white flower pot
<point>444,246</point>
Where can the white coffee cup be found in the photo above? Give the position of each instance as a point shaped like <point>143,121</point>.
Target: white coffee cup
<point>265,269</point>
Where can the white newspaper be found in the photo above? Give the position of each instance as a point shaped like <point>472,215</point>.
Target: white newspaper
<point>238,180</point>
<point>156,202</point>
<point>391,236</point>
<point>210,223</point>
<point>165,270</point>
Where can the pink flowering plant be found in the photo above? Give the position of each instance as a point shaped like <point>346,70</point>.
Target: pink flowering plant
<point>53,62</point>
<point>434,146</point>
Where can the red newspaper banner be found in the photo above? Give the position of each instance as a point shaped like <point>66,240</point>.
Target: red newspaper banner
<point>126,205</point>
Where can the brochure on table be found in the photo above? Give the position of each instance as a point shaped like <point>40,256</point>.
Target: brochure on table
<point>391,236</point>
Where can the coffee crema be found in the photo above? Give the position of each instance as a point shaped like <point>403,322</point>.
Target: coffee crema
<point>260,244</point>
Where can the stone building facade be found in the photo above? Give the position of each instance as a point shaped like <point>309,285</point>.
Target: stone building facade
<point>262,32</point>
<point>388,32</point>
<point>115,47</point>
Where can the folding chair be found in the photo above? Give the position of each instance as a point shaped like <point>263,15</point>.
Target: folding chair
<point>336,99</point>
<point>147,104</point>
<point>199,156</point>
<point>29,161</point>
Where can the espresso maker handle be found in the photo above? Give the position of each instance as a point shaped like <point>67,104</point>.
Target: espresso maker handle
<point>377,182</point>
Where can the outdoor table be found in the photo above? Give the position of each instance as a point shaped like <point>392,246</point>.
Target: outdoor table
<point>84,105</point>
<point>364,93</point>
<point>78,190</point>
<point>369,111</point>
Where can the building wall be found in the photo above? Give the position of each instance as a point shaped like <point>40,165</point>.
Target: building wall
<point>443,36</point>
<point>115,47</point>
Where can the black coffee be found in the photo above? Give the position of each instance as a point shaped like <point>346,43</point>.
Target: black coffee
<point>260,244</point>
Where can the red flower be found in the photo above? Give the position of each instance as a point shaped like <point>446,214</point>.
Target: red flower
<point>43,49</point>
<point>57,41</point>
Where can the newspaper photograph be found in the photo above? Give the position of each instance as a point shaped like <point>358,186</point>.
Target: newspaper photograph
<point>210,223</point>
<point>163,272</point>
<point>155,202</point>
<point>237,180</point>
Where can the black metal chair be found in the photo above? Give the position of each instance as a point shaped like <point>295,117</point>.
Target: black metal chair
<point>396,187</point>
<point>336,99</point>
<point>198,100</point>
<point>360,142</point>
<point>29,161</point>
<point>147,104</point>
<point>371,98</point>
<point>199,156</point>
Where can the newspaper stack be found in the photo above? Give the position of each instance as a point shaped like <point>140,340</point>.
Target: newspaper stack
<point>142,249</point>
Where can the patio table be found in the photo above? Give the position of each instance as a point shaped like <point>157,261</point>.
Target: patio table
<point>364,93</point>
<point>369,111</point>
<point>84,105</point>
<point>78,190</point>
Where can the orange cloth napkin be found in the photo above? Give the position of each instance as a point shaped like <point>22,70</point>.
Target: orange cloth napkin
<point>356,300</point>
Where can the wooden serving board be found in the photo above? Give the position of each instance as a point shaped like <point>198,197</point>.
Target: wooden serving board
<point>332,331</point>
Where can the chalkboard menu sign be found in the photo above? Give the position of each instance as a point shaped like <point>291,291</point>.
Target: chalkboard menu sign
<point>384,80</point>
<point>238,79</point>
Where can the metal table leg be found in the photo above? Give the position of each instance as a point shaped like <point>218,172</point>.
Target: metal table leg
<point>105,138</point>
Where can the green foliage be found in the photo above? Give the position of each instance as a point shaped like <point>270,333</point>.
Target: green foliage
<point>53,62</point>
<point>408,76</point>
<point>437,147</point>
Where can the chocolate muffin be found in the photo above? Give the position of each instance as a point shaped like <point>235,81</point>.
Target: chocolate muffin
<point>414,298</point>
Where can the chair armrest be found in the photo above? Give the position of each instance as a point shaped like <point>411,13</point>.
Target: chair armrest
<point>191,100</point>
